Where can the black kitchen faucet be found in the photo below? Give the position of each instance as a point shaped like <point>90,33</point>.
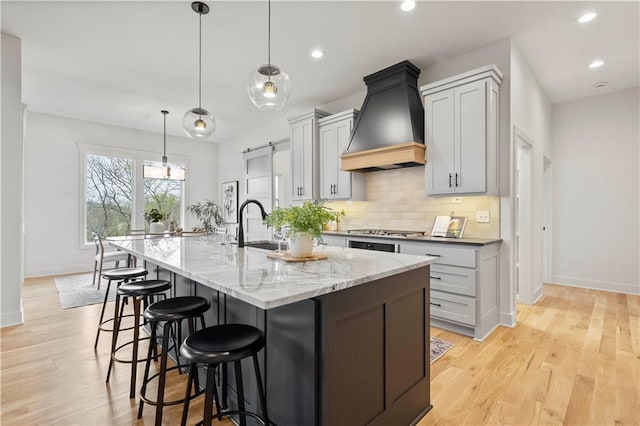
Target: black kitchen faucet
<point>240,226</point>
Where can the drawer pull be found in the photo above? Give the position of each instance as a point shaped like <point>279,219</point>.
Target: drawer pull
<point>434,255</point>
<point>435,278</point>
<point>435,304</point>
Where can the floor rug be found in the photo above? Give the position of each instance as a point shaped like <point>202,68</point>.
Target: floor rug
<point>76,290</point>
<point>438,348</point>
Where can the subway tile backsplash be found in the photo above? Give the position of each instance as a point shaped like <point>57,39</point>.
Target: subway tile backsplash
<point>396,200</point>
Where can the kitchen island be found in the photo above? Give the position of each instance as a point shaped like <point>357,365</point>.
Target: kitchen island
<point>347,337</point>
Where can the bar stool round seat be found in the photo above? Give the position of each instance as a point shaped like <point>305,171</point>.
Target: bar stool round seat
<point>222,344</point>
<point>124,273</point>
<point>170,311</point>
<point>120,275</point>
<point>139,291</point>
<point>144,288</point>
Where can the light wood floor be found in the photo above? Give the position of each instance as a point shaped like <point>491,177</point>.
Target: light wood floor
<point>573,358</point>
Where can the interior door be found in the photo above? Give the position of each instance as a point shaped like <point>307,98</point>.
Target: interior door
<point>258,186</point>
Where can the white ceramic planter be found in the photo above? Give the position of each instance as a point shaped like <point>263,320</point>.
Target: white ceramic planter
<point>301,245</point>
<point>156,228</point>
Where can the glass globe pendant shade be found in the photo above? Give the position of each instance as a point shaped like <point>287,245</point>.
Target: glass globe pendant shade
<point>198,123</point>
<point>269,88</point>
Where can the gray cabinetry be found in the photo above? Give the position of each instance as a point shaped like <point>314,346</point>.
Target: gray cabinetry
<point>336,184</point>
<point>464,286</point>
<point>463,282</point>
<point>304,155</point>
<point>461,132</point>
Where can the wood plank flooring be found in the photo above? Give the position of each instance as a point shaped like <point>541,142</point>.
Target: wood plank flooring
<point>573,358</point>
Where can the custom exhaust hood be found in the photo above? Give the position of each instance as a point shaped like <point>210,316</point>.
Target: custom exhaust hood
<point>389,132</point>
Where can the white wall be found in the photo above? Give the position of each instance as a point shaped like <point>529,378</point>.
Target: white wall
<point>52,184</point>
<point>595,199</point>
<point>11,200</point>
<point>531,114</point>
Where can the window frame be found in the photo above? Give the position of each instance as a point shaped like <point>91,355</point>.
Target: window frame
<point>138,158</point>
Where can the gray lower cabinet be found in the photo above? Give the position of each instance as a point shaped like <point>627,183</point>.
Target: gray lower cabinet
<point>353,357</point>
<point>464,282</point>
<point>464,286</point>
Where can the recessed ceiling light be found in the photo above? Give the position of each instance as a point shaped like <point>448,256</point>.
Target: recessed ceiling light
<point>596,64</point>
<point>317,53</point>
<point>587,17</point>
<point>408,5</point>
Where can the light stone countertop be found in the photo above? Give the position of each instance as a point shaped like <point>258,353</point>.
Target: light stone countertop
<point>249,275</point>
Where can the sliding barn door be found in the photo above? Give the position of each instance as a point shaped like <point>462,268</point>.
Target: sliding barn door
<point>258,186</point>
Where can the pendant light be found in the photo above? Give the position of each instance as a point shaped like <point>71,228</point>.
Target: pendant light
<point>198,123</point>
<point>165,170</point>
<point>269,87</point>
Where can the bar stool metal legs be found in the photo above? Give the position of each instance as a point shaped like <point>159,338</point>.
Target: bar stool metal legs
<point>218,345</point>
<point>172,312</point>
<point>122,275</point>
<point>140,291</point>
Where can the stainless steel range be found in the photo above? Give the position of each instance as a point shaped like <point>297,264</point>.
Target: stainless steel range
<point>385,233</point>
<point>378,245</point>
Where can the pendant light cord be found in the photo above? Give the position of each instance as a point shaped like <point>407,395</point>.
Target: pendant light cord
<point>269,41</point>
<point>200,64</point>
<point>164,150</point>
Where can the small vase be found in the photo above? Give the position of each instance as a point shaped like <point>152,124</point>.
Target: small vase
<point>300,245</point>
<point>156,228</point>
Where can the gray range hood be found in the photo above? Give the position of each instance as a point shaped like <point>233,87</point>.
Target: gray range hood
<point>389,132</point>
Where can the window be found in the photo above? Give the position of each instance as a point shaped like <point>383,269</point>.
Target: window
<point>164,195</point>
<point>109,196</point>
<point>116,196</point>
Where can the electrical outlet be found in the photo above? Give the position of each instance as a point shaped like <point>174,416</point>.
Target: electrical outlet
<point>456,200</point>
<point>482,216</point>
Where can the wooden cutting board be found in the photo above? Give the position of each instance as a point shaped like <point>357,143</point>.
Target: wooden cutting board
<point>288,258</point>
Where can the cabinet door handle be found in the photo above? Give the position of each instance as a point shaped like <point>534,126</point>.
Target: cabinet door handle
<point>335,188</point>
<point>331,189</point>
<point>435,304</point>
<point>301,191</point>
<point>434,278</point>
<point>456,180</point>
<point>434,255</point>
<point>449,180</point>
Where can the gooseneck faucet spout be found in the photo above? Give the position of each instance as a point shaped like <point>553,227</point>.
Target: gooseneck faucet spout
<point>240,224</point>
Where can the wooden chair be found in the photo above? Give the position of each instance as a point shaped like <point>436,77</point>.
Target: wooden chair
<point>103,257</point>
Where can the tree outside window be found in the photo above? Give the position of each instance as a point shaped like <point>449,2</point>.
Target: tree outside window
<point>110,194</point>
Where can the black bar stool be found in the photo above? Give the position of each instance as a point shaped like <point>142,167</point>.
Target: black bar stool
<point>220,344</point>
<point>139,291</point>
<point>121,275</point>
<point>171,312</point>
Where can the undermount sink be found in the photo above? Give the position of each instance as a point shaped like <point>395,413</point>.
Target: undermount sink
<point>266,245</point>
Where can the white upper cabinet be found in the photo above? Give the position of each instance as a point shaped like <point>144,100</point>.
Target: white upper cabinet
<point>461,132</point>
<point>335,184</point>
<point>304,155</point>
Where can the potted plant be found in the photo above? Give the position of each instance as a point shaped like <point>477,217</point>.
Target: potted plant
<point>206,212</point>
<point>303,224</point>
<point>155,218</point>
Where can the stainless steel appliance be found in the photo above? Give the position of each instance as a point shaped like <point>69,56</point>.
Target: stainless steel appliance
<point>390,247</point>
<point>380,245</point>
<point>385,233</point>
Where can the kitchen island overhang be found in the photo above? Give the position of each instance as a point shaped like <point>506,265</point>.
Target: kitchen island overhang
<point>347,337</point>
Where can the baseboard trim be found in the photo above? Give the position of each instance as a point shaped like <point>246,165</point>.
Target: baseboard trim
<point>596,285</point>
<point>67,270</point>
<point>12,318</point>
<point>508,319</point>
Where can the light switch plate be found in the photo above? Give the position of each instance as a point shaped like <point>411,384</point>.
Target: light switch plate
<point>482,216</point>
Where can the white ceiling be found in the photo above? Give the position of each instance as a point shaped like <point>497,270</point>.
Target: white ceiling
<point>121,62</point>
